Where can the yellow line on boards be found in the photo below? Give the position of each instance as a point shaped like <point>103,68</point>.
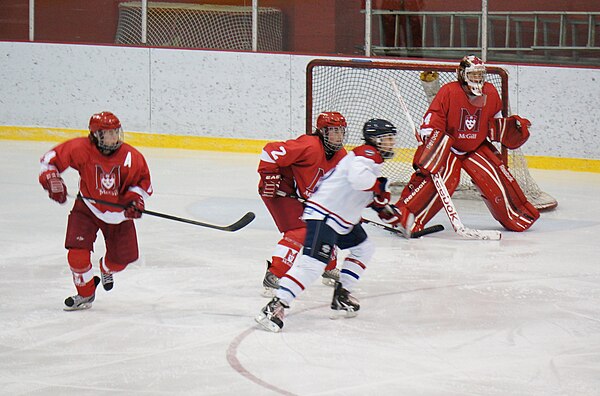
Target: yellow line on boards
<point>243,145</point>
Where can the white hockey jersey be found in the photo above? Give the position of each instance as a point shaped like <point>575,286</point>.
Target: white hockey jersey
<point>346,190</point>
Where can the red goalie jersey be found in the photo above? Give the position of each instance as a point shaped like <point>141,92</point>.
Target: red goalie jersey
<point>452,112</point>
<point>107,178</point>
<point>301,163</point>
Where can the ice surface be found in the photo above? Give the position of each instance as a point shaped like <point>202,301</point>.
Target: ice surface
<point>439,315</point>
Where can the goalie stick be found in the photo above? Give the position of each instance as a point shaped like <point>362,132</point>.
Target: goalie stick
<point>241,223</point>
<point>443,193</point>
<point>414,235</point>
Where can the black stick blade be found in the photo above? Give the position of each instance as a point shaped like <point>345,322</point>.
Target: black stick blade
<point>427,231</point>
<point>241,223</point>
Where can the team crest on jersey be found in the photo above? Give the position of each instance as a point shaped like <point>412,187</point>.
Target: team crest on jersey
<point>468,121</point>
<point>369,152</point>
<point>108,183</point>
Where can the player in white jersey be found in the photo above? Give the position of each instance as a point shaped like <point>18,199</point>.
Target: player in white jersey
<point>333,215</point>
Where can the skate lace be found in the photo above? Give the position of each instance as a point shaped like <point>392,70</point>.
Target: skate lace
<point>276,309</point>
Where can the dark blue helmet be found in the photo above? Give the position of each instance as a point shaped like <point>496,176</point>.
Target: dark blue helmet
<point>373,132</point>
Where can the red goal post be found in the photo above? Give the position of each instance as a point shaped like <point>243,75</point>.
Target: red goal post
<point>362,89</point>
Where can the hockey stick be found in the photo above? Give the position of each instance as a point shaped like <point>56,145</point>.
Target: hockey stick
<point>241,223</point>
<point>418,234</point>
<point>442,191</point>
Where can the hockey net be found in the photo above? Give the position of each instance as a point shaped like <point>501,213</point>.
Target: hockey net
<point>362,90</point>
<point>185,25</point>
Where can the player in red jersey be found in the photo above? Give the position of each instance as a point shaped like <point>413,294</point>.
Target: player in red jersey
<point>109,170</point>
<point>292,169</point>
<point>457,132</point>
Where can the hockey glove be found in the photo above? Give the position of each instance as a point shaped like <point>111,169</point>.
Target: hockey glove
<point>135,205</point>
<point>269,184</point>
<point>511,131</point>
<point>55,185</point>
<point>382,192</point>
<point>390,215</point>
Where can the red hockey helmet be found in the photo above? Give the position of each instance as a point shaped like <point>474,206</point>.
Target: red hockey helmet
<point>471,72</point>
<point>331,119</point>
<point>106,132</point>
<point>331,127</point>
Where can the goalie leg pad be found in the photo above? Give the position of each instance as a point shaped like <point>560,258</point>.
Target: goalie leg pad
<point>499,189</point>
<point>420,196</point>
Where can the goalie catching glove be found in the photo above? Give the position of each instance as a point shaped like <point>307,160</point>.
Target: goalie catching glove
<point>511,132</point>
<point>433,153</point>
<point>55,185</point>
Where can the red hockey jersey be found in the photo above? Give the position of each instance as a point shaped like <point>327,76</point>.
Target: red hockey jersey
<point>102,177</point>
<point>452,112</point>
<point>301,163</point>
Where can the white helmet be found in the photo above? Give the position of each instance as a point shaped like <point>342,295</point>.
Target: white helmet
<point>471,72</point>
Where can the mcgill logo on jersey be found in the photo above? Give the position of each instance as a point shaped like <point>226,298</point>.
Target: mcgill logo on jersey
<point>469,122</point>
<point>108,183</point>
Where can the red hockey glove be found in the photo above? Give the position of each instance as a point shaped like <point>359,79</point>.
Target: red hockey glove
<point>383,195</point>
<point>390,215</point>
<point>55,185</point>
<point>511,131</point>
<point>135,205</point>
<point>431,156</point>
<point>269,184</point>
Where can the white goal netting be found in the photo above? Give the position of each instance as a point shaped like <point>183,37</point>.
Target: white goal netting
<point>185,25</point>
<point>361,90</point>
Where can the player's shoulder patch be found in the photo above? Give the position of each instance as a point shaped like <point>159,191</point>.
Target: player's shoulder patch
<point>368,151</point>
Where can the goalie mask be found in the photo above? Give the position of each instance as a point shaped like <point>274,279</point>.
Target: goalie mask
<point>331,128</point>
<point>380,134</point>
<point>106,132</point>
<point>471,73</point>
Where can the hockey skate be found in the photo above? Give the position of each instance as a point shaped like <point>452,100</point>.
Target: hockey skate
<point>344,304</point>
<point>77,302</point>
<point>271,316</point>
<point>330,277</point>
<point>270,283</point>
<point>107,279</point>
